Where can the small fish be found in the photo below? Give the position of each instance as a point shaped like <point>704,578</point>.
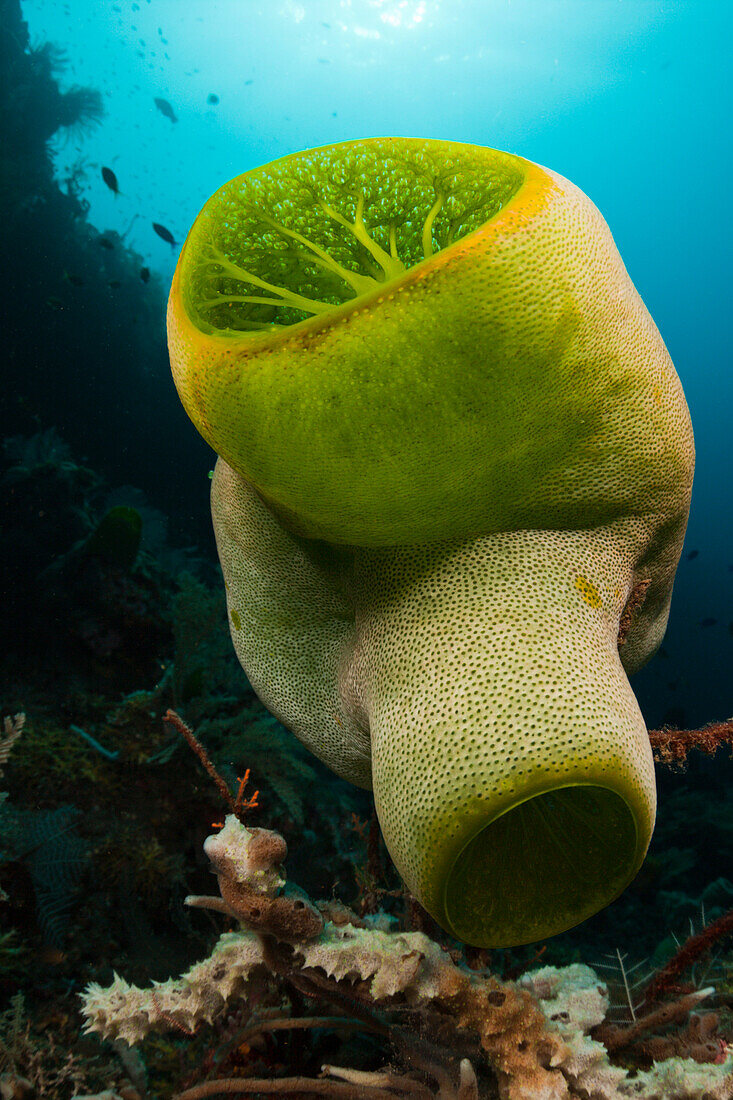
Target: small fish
<point>165,108</point>
<point>105,242</point>
<point>164,234</point>
<point>145,274</point>
<point>111,180</point>
<point>249,82</point>
<point>212,98</point>
<point>75,280</point>
<point>54,303</point>
<point>708,622</point>
<point>114,283</point>
<point>692,555</point>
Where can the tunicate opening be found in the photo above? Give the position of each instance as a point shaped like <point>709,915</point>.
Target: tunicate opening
<point>318,229</point>
<point>542,867</point>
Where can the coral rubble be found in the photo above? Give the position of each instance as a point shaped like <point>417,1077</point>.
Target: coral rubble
<point>530,1038</point>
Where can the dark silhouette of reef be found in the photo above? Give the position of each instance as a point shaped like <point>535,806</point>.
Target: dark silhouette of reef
<point>101,814</point>
<point>83,334</point>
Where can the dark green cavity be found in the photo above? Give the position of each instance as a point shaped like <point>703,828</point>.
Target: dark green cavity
<point>542,867</point>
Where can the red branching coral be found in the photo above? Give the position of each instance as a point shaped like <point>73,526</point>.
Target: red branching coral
<point>671,746</point>
<point>665,980</point>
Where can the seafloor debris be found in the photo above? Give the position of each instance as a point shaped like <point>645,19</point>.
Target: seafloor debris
<point>455,1032</point>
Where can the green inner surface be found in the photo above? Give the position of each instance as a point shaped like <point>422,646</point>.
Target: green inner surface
<point>316,229</point>
<point>542,867</point>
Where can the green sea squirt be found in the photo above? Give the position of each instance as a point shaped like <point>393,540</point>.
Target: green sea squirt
<point>454,478</point>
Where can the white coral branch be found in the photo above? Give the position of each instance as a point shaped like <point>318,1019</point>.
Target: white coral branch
<point>534,1033</point>
<point>12,727</point>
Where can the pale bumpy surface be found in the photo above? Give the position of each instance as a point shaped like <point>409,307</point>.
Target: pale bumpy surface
<point>292,624</point>
<point>493,675</point>
<point>487,671</point>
